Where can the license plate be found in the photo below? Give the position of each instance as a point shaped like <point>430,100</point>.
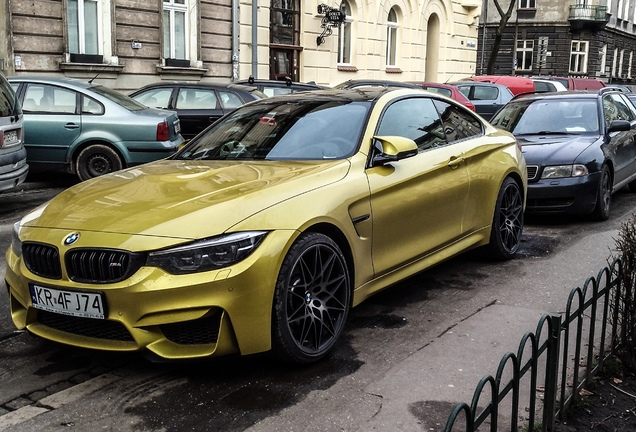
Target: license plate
<point>73,303</point>
<point>177,127</point>
<point>10,138</point>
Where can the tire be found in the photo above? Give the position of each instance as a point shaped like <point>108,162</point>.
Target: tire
<point>96,160</point>
<point>311,300</point>
<point>601,210</point>
<point>507,222</point>
<point>632,186</point>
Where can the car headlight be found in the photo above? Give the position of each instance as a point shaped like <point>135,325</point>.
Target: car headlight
<point>16,243</point>
<point>207,254</point>
<point>563,171</point>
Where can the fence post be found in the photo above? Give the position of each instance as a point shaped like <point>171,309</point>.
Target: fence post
<point>551,373</point>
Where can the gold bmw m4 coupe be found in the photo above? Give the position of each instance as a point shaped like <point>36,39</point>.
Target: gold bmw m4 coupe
<point>265,229</point>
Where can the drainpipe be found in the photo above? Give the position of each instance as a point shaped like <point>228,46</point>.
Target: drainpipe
<point>235,39</point>
<point>255,38</point>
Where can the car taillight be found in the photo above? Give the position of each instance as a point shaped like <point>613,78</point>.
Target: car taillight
<point>163,132</point>
<point>470,106</point>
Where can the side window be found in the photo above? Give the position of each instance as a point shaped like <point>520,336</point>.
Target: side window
<point>458,124</point>
<point>465,90</point>
<point>49,99</point>
<point>229,100</point>
<point>416,119</point>
<point>624,112</point>
<point>190,98</point>
<point>156,98</point>
<point>485,93</point>
<point>91,106</point>
<point>610,111</point>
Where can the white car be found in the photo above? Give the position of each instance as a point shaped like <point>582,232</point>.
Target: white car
<point>546,85</point>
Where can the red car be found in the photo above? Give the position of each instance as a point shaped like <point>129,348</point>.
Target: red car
<point>446,90</point>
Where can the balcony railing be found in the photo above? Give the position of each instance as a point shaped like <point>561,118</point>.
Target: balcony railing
<point>594,16</point>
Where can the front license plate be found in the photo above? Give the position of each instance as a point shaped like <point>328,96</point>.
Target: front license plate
<point>74,303</point>
<point>10,138</point>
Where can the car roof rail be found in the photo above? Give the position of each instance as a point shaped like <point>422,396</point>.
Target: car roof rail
<point>608,89</point>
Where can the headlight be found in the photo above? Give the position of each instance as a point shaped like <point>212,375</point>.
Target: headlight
<point>563,171</point>
<point>16,243</point>
<point>208,254</point>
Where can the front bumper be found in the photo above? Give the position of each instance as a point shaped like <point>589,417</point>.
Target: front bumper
<point>172,316</point>
<point>572,195</point>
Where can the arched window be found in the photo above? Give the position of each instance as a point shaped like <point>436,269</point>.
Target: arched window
<point>344,35</point>
<point>391,38</point>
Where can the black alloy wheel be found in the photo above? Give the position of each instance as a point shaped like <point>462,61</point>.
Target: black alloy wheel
<point>311,301</point>
<point>507,224</point>
<point>601,211</point>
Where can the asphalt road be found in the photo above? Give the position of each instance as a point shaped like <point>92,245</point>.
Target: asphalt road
<point>393,369</point>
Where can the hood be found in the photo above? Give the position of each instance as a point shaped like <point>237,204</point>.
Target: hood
<point>554,149</point>
<point>182,199</point>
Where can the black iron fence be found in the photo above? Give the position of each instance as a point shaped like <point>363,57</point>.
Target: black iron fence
<point>553,364</point>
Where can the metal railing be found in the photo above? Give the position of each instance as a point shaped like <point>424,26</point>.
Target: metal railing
<point>551,356</point>
<point>588,12</point>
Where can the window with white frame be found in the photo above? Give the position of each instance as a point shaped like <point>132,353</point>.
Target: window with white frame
<point>620,64</point>
<point>87,21</point>
<point>629,65</point>
<point>603,59</point>
<point>391,38</point>
<point>344,35</point>
<point>527,4</point>
<point>578,57</point>
<point>614,62</point>
<point>525,50</point>
<point>175,30</point>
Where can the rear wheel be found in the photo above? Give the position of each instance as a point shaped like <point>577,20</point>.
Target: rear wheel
<point>311,301</point>
<point>507,224</point>
<point>96,160</point>
<point>601,211</point>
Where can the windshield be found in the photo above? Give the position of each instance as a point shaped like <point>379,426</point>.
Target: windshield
<point>283,130</point>
<point>119,98</point>
<point>545,116</point>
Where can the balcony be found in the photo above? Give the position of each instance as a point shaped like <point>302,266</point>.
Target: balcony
<point>593,17</point>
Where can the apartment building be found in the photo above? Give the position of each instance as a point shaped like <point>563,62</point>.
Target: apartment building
<point>130,43</point>
<point>585,38</point>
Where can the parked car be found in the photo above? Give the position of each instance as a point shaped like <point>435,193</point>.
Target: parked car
<point>13,156</point>
<point>487,97</point>
<point>264,230</point>
<point>579,147</point>
<point>572,83</point>
<point>546,85</point>
<point>277,87</point>
<point>88,129</point>
<point>447,90</point>
<point>198,105</point>
<point>516,84</point>
<point>361,83</point>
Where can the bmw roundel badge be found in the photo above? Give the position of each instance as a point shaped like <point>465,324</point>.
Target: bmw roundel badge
<point>71,238</point>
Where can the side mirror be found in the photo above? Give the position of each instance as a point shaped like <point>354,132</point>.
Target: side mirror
<point>619,126</point>
<point>388,149</point>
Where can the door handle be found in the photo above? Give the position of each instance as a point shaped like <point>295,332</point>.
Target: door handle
<point>71,126</point>
<point>455,161</point>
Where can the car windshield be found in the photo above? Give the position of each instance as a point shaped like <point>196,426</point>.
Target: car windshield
<point>119,98</point>
<point>283,130</point>
<point>549,116</point>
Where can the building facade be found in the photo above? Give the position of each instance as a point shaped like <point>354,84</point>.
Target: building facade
<point>130,43</point>
<point>582,38</point>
